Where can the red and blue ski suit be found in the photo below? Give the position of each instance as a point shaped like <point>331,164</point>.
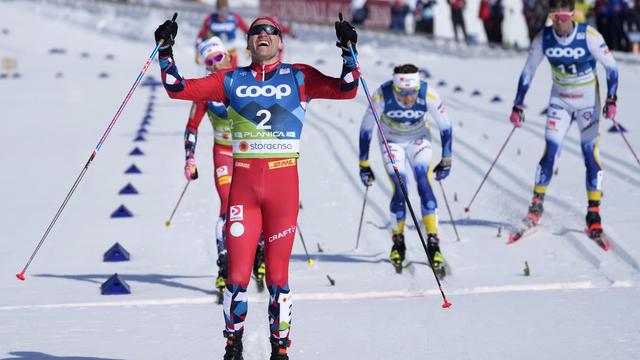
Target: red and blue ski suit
<point>266,105</point>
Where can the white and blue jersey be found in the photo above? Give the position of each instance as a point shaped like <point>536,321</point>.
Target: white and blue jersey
<point>400,123</point>
<point>574,97</point>
<point>408,132</point>
<point>572,58</point>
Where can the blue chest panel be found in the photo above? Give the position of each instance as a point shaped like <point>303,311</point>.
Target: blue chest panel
<point>271,107</point>
<point>573,58</point>
<point>225,29</point>
<point>396,113</point>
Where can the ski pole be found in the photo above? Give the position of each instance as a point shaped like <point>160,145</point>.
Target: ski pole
<point>364,204</point>
<point>446,303</point>
<point>310,261</point>
<point>20,275</point>
<point>444,195</point>
<point>617,125</point>
<point>175,208</point>
<point>466,209</point>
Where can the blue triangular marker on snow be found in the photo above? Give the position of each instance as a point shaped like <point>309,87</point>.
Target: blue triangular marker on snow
<point>544,111</point>
<point>139,138</point>
<point>613,129</point>
<point>133,169</point>
<point>136,152</point>
<point>424,73</point>
<point>142,130</point>
<point>128,190</point>
<point>442,83</point>
<point>150,81</point>
<point>121,212</point>
<point>458,88</point>
<point>496,99</point>
<point>115,285</point>
<point>116,253</point>
<point>476,93</point>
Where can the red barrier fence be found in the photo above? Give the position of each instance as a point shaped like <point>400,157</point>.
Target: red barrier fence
<point>325,11</point>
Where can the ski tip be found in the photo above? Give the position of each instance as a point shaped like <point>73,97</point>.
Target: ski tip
<point>20,276</point>
<point>175,16</point>
<point>466,209</point>
<point>607,245</point>
<point>446,304</point>
<point>167,223</point>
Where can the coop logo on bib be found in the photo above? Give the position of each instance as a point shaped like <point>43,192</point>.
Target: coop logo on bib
<point>415,114</point>
<point>565,52</point>
<point>279,91</point>
<point>236,213</point>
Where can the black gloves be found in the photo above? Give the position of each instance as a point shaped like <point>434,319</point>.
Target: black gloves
<point>366,175</point>
<point>443,168</point>
<point>166,33</point>
<point>346,34</point>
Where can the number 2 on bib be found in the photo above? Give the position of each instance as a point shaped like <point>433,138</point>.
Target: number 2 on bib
<point>262,125</point>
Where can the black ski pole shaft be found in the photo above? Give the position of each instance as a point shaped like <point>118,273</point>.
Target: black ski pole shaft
<point>364,204</point>
<point>304,245</point>
<point>446,202</point>
<point>175,208</point>
<point>466,209</point>
<point>619,128</point>
<point>21,274</point>
<point>446,303</point>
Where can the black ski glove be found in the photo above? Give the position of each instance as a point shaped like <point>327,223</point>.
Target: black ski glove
<point>167,33</point>
<point>346,34</point>
<point>443,168</point>
<point>366,175</point>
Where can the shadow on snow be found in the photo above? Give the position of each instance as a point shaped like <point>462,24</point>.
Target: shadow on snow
<point>159,279</point>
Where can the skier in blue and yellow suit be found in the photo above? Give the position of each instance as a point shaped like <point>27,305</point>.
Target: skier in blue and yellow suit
<point>403,104</point>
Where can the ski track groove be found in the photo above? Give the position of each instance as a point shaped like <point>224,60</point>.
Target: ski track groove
<point>349,142</point>
<point>621,253</point>
<point>495,116</point>
<point>345,170</point>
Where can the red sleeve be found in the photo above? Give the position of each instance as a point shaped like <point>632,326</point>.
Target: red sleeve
<point>320,86</point>
<point>241,24</point>
<point>198,109</point>
<point>202,34</point>
<point>210,88</point>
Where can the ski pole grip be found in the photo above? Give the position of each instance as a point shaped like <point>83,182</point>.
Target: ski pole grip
<point>175,16</point>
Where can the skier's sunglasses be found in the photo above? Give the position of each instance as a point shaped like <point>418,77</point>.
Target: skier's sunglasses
<point>561,16</point>
<point>269,29</point>
<point>405,91</point>
<point>213,59</point>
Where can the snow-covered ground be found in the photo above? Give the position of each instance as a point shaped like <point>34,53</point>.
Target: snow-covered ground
<point>578,303</point>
